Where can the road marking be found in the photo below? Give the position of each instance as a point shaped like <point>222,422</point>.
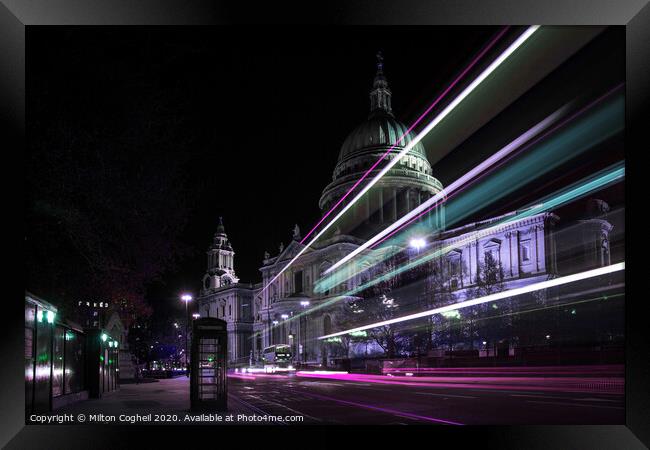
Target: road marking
<point>397,413</point>
<point>445,395</point>
<point>585,399</point>
<point>537,396</point>
<point>369,388</point>
<point>321,384</point>
<point>269,402</point>
<point>593,399</point>
<point>576,405</point>
<point>254,408</point>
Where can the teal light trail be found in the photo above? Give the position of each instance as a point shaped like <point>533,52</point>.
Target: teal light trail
<point>587,132</point>
<point>602,179</point>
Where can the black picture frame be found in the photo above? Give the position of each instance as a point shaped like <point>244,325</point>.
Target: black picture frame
<point>16,16</point>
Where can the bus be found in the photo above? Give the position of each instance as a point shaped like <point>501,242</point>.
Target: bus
<point>277,358</point>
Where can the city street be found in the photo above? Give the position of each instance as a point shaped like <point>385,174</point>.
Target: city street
<point>339,400</point>
<point>330,398</point>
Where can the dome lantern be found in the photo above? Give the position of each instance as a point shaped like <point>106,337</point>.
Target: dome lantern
<point>380,96</point>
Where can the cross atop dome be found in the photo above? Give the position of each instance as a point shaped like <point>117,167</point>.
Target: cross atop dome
<point>380,61</point>
<point>380,96</point>
<point>220,228</point>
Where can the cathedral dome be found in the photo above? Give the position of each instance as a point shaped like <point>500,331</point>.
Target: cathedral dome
<point>407,183</point>
<point>381,130</point>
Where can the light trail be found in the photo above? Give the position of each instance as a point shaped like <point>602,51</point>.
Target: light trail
<point>460,182</point>
<point>544,308</point>
<point>490,298</point>
<point>577,190</point>
<point>585,384</point>
<point>419,119</point>
<point>444,113</point>
<point>610,370</point>
<point>584,187</point>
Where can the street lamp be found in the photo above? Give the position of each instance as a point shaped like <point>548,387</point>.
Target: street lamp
<point>417,244</point>
<point>196,315</point>
<point>303,331</point>
<point>187,298</point>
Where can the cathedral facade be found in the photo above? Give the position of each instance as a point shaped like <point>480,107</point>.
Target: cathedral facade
<point>525,249</point>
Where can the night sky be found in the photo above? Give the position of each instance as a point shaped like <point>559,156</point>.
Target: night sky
<point>244,123</point>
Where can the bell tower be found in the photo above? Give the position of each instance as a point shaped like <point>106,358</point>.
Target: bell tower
<point>221,268</point>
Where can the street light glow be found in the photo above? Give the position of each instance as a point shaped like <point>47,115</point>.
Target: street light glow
<point>285,316</point>
<point>417,243</point>
<point>186,298</point>
<point>304,303</point>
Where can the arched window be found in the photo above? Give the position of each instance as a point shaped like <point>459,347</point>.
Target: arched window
<point>327,325</point>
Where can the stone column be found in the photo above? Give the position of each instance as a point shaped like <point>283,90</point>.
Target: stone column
<point>394,202</point>
<point>509,250</point>
<point>473,261</point>
<point>514,253</point>
<point>381,204</point>
<point>539,237</point>
<point>533,231</point>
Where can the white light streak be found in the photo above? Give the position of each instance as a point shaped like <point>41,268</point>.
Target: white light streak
<point>491,298</point>
<point>441,196</point>
<point>444,113</point>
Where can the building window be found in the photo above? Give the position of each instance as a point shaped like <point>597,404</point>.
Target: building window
<point>491,256</point>
<point>454,264</point>
<point>525,251</point>
<point>297,282</point>
<point>455,269</point>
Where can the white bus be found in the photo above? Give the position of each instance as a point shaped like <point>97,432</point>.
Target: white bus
<point>277,358</point>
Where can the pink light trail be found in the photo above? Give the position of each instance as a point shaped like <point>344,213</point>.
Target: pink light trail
<point>419,119</point>
<point>501,163</point>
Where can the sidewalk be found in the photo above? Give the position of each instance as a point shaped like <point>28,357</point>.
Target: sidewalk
<point>167,396</point>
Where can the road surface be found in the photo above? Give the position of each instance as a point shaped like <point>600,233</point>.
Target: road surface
<point>379,399</point>
<point>454,401</point>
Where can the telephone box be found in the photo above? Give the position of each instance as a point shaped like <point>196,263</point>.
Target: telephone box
<point>208,383</point>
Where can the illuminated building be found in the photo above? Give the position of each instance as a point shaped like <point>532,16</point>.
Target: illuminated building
<point>92,314</point>
<point>524,248</point>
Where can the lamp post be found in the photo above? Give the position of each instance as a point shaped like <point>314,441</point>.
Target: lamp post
<point>187,298</point>
<point>283,328</point>
<point>417,244</point>
<point>303,331</point>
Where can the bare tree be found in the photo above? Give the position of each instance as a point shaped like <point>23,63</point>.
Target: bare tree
<point>489,280</point>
